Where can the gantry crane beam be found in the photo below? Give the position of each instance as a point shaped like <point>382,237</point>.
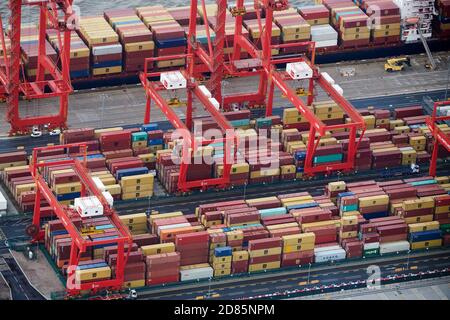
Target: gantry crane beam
<point>80,243</point>
<point>152,90</point>
<point>440,137</point>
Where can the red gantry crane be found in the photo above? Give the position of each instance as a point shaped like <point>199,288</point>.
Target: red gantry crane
<point>272,78</point>
<point>53,14</point>
<point>262,64</point>
<point>440,137</point>
<point>80,243</point>
<point>259,64</point>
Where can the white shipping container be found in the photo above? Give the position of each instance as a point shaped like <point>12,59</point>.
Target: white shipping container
<point>328,78</point>
<point>215,103</point>
<point>339,89</point>
<point>3,202</point>
<point>331,255</point>
<point>392,247</point>
<point>328,248</point>
<point>299,70</point>
<point>88,207</point>
<point>173,226</point>
<point>110,49</point>
<point>371,246</point>
<point>327,43</point>
<point>173,80</point>
<point>98,182</point>
<point>109,198</point>
<point>205,91</point>
<point>196,274</point>
<point>323,33</point>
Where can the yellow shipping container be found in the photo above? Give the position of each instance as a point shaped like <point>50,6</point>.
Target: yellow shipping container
<point>219,260</point>
<point>337,186</point>
<point>302,238</point>
<point>136,218</point>
<point>298,247</point>
<point>170,63</point>
<point>240,255</point>
<point>288,201</point>
<point>65,188</point>
<point>264,173</point>
<point>24,188</point>
<point>137,188</point>
<point>402,129</point>
<point>424,226</point>
<point>264,266</point>
<point>134,284</point>
<point>158,248</point>
<point>427,218</point>
<point>154,217</point>
<point>426,244</point>
<point>139,46</point>
<point>236,168</point>
<point>108,70</point>
<point>288,169</point>
<point>349,220</point>
<point>3,166</point>
<point>222,272</point>
<point>142,179</point>
<point>296,36</point>
<point>374,201</point>
<point>114,189</point>
<point>396,123</point>
<point>348,234</point>
<point>92,274</point>
<point>137,195</point>
<point>264,252</point>
<point>442,180</point>
<point>442,209</point>
<point>257,200</point>
<point>422,203</point>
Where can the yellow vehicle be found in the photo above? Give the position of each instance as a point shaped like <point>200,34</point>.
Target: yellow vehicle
<point>176,102</point>
<point>397,64</point>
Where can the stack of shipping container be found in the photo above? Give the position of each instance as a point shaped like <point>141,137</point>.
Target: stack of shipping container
<point>351,220</point>
<point>169,36</point>
<point>29,43</point>
<point>103,41</point>
<point>79,53</point>
<point>134,36</point>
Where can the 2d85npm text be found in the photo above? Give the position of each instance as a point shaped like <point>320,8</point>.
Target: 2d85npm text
<point>225,309</point>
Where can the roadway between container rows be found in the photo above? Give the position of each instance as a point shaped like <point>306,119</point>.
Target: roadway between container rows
<point>251,285</point>
<point>386,102</point>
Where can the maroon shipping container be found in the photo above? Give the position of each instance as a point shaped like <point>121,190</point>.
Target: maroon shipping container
<point>392,238</point>
<point>189,238</point>
<point>265,259</point>
<point>264,243</point>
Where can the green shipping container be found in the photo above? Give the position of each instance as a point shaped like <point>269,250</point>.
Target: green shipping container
<point>328,158</point>
<point>424,182</point>
<point>138,136</point>
<point>263,122</point>
<point>445,228</point>
<point>371,253</point>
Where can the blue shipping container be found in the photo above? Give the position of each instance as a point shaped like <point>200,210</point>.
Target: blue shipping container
<point>149,127</point>
<point>130,172</point>
<point>425,235</point>
<point>223,252</point>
